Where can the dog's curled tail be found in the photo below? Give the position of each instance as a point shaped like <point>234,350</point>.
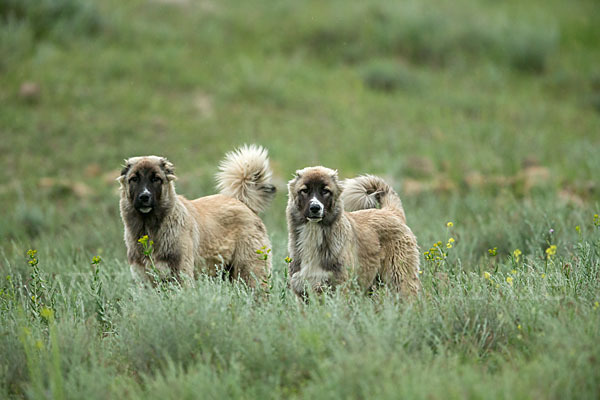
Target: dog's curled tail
<point>369,191</point>
<point>245,174</point>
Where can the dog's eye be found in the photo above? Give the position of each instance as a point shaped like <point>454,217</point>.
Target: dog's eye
<point>156,179</point>
<point>303,191</point>
<point>133,179</point>
<point>325,192</point>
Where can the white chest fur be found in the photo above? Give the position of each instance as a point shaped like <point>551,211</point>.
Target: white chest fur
<point>310,240</point>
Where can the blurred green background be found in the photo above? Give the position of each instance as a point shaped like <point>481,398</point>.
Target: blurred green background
<point>481,113</point>
<point>486,113</point>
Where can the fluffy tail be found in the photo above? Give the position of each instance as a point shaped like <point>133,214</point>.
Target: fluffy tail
<point>245,175</point>
<point>369,191</point>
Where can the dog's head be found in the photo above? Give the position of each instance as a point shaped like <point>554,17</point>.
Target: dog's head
<point>313,196</point>
<point>147,182</point>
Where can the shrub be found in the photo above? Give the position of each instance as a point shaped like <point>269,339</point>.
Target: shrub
<point>25,22</point>
<point>423,35</point>
<point>46,17</point>
<point>387,76</point>
<point>528,48</point>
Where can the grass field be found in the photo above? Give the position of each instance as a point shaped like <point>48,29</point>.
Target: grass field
<point>485,114</point>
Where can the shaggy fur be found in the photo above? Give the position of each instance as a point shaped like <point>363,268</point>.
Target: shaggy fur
<point>330,246</point>
<point>245,175</point>
<point>214,233</point>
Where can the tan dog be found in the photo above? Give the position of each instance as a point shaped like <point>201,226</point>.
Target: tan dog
<point>328,245</point>
<point>212,233</point>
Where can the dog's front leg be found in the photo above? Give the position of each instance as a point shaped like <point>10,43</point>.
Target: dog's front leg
<point>157,270</point>
<point>297,285</point>
<point>294,266</point>
<point>177,263</point>
<point>138,273</point>
<point>184,270</point>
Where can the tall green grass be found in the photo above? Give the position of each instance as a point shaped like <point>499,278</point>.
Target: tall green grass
<point>538,316</point>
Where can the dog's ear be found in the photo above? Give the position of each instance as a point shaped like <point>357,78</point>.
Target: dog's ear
<point>293,181</point>
<point>297,175</point>
<point>168,168</point>
<point>124,171</point>
<point>334,175</point>
<point>339,186</point>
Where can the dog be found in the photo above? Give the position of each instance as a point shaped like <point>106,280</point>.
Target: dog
<point>330,246</point>
<point>211,234</point>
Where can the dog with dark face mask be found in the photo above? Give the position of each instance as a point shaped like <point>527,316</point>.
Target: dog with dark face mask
<point>215,233</point>
<point>329,246</point>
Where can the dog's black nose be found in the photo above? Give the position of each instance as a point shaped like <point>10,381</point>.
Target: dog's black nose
<point>314,208</point>
<point>144,198</point>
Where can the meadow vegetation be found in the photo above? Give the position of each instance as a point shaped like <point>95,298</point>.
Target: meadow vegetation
<point>485,116</point>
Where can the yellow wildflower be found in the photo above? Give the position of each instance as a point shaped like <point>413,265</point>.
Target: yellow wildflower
<point>596,305</point>
<point>47,313</point>
<point>487,275</point>
<point>451,240</point>
<point>519,327</point>
<point>449,245</point>
<point>32,260</point>
<point>517,254</point>
<point>543,275</point>
<point>287,260</point>
<point>551,251</point>
<point>509,279</point>
<point>450,224</point>
<point>514,272</point>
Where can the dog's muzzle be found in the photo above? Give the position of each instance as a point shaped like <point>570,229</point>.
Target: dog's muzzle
<point>144,202</point>
<point>315,210</point>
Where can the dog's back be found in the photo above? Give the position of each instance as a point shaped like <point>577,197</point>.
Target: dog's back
<point>379,221</point>
<point>369,192</point>
<point>235,231</point>
<point>202,235</point>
